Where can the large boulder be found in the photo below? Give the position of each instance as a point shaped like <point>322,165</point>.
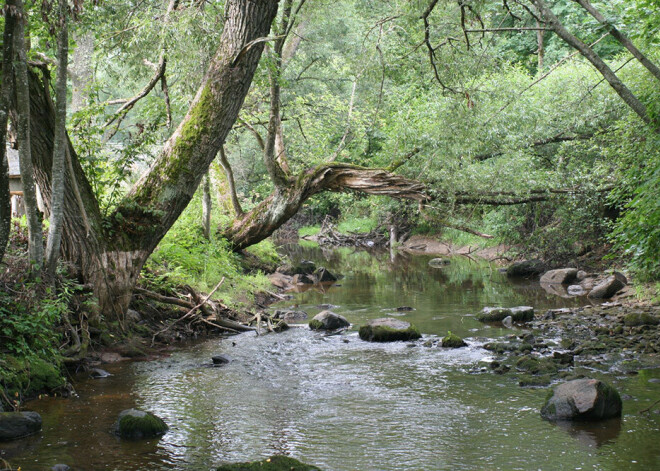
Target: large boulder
<point>563,276</point>
<point>582,399</point>
<point>328,320</point>
<point>15,425</point>
<point>134,424</point>
<point>609,286</point>
<point>274,463</point>
<point>498,314</point>
<point>526,269</point>
<point>388,330</point>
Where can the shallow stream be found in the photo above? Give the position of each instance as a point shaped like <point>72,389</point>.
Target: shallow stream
<point>344,404</point>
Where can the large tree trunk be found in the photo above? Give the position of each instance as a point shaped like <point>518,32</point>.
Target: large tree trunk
<point>5,99</point>
<point>110,252</point>
<point>284,203</point>
<point>82,74</point>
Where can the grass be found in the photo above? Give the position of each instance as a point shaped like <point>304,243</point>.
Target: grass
<point>309,230</point>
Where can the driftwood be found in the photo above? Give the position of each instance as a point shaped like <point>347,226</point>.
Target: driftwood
<point>330,236</point>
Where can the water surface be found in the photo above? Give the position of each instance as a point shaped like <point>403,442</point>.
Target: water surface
<point>344,404</point>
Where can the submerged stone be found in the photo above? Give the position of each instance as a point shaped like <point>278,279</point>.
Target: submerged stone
<point>274,463</point>
<point>220,359</point>
<point>388,330</point>
<point>328,320</point>
<point>453,341</point>
<point>15,425</point>
<point>582,399</point>
<point>133,424</point>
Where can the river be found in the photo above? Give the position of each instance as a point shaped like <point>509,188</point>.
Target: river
<point>343,404</point>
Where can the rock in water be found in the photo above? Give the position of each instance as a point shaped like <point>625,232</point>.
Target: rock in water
<point>274,463</point>
<point>609,287</point>
<point>582,399</point>
<point>133,424</point>
<point>498,314</point>
<point>388,330</point>
<point>290,315</point>
<point>328,320</point>
<point>15,425</point>
<point>61,467</point>
<point>507,322</point>
<point>220,359</point>
<point>526,269</point>
<point>438,262</point>
<point>453,341</point>
<point>559,277</point>
<point>98,373</point>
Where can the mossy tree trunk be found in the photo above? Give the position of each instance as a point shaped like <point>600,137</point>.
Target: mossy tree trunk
<point>110,252</point>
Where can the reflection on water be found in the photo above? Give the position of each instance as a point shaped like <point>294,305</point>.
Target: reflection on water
<point>341,403</point>
<point>595,434</point>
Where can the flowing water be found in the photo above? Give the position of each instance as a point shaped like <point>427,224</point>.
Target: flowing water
<point>344,404</point>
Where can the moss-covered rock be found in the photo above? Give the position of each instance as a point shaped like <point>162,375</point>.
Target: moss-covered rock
<point>453,341</point>
<point>582,399</point>
<point>526,269</point>
<point>388,330</point>
<point>640,318</point>
<point>133,424</point>
<point>535,366</point>
<point>498,314</point>
<point>274,463</point>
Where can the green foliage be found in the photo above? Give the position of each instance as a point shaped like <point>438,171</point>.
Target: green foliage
<point>184,256</point>
<point>29,320</point>
<point>637,233</point>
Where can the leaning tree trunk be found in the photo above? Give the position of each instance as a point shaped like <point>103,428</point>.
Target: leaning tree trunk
<point>5,100</point>
<point>110,252</point>
<point>284,203</point>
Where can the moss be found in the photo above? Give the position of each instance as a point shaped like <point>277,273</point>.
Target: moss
<point>453,341</point>
<point>134,424</point>
<point>315,324</point>
<point>534,381</point>
<point>381,333</point>
<point>29,377</point>
<point>535,366</point>
<point>640,318</point>
<point>274,463</point>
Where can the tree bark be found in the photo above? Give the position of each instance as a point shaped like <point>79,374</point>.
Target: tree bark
<point>35,231</point>
<point>206,207</point>
<point>59,149</point>
<point>283,204</point>
<point>111,251</point>
<point>5,100</point>
<point>229,173</point>
<point>623,39</point>
<point>626,95</point>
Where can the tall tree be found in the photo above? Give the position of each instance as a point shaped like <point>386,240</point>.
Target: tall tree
<point>60,142</point>
<point>5,100</point>
<point>34,221</point>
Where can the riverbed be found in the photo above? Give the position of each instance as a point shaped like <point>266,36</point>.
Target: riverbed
<point>343,404</point>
